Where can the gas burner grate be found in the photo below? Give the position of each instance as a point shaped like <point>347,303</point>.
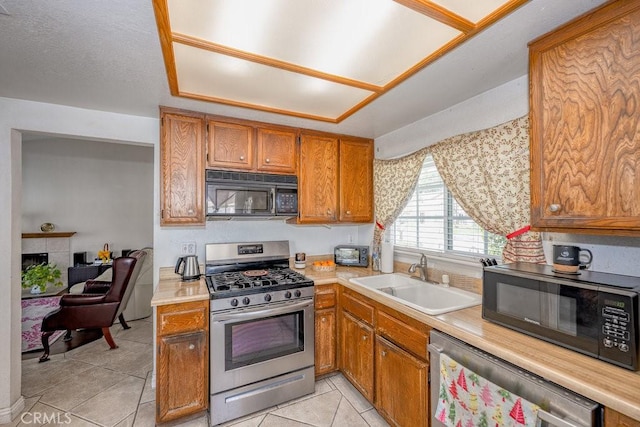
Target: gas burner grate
<point>231,282</point>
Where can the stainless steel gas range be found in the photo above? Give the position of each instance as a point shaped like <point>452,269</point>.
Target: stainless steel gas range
<point>262,328</point>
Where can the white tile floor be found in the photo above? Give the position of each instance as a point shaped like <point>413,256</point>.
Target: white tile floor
<point>94,386</point>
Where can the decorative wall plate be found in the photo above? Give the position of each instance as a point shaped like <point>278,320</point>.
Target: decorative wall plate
<point>47,227</point>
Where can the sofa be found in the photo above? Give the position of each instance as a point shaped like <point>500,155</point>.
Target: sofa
<point>139,305</point>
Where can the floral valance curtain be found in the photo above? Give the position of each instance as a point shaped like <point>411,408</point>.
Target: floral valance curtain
<point>487,173</point>
<point>393,183</point>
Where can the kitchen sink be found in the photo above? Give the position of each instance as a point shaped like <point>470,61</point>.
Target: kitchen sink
<point>429,298</point>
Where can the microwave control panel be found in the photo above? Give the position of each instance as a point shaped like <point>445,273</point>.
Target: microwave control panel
<point>286,202</point>
<point>618,330</point>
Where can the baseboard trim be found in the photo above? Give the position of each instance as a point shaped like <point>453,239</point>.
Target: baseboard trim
<point>8,414</point>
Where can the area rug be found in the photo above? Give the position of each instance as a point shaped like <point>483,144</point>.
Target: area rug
<point>33,311</point>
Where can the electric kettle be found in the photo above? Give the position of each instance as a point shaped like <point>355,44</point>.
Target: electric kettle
<point>191,268</point>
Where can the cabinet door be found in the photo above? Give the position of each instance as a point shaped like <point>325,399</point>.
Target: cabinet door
<point>585,149</point>
<point>401,386</point>
<point>182,375</point>
<point>356,180</point>
<point>357,354</point>
<point>277,151</point>
<point>229,145</point>
<point>318,179</point>
<point>182,169</point>
<point>325,351</point>
<point>616,419</point>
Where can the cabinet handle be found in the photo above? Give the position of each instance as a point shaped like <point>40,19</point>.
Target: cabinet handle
<point>554,207</point>
<point>191,346</point>
<point>348,212</point>
<point>384,353</point>
<point>267,160</point>
<point>324,319</point>
<point>241,157</point>
<point>190,211</point>
<point>364,338</point>
<point>328,211</point>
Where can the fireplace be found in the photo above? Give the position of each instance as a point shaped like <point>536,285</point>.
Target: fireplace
<point>34,259</point>
<point>53,247</point>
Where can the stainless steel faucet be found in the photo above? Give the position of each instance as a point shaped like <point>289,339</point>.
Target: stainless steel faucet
<point>421,267</point>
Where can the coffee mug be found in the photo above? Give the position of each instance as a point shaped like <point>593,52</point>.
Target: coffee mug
<point>566,259</point>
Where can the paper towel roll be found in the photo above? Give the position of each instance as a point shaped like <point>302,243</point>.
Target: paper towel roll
<point>386,257</point>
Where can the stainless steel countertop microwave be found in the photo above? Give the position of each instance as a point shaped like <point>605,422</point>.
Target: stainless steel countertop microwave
<point>246,194</point>
<point>590,312</point>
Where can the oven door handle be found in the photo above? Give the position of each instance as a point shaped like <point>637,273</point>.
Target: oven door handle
<point>260,313</point>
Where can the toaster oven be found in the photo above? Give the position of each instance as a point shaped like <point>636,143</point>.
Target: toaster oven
<point>351,255</point>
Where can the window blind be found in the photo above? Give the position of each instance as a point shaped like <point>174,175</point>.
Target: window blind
<point>433,220</point>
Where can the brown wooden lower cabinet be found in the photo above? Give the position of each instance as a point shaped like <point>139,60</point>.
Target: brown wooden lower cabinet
<point>356,353</point>
<point>182,360</point>
<point>326,328</point>
<point>383,353</point>
<point>325,345</point>
<point>402,388</point>
<point>616,419</point>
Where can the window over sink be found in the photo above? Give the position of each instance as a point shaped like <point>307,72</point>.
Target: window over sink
<point>434,221</point>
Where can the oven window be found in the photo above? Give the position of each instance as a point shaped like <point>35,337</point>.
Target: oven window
<point>258,340</point>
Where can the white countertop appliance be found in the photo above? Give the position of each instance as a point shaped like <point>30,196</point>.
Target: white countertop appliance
<point>262,328</point>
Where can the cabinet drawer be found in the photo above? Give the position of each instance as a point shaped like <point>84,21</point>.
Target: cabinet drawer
<point>180,318</point>
<point>359,309</point>
<point>407,337</point>
<point>325,298</point>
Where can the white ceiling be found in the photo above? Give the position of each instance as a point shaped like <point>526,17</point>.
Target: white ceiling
<point>105,55</point>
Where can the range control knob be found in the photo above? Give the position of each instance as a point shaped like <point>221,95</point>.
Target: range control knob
<point>234,302</point>
<point>287,294</point>
<point>267,297</point>
<point>297,293</point>
<point>245,301</point>
<point>623,347</point>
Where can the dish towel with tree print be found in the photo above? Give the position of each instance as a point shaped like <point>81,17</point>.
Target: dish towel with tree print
<point>468,400</point>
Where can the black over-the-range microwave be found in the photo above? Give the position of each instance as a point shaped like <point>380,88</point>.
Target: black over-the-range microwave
<point>246,194</point>
<point>591,312</point>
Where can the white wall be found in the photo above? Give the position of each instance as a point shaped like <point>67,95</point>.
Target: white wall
<point>102,191</point>
<point>499,105</point>
<point>313,240</point>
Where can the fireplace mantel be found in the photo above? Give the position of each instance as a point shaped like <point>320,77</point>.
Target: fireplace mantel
<point>48,235</point>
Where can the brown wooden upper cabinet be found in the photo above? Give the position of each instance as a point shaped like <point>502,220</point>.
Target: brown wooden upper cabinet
<point>318,179</point>
<point>335,179</point>
<point>356,180</point>
<point>277,151</point>
<point>585,125</point>
<point>229,145</point>
<point>182,168</point>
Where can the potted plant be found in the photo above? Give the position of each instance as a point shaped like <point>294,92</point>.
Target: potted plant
<point>39,276</point>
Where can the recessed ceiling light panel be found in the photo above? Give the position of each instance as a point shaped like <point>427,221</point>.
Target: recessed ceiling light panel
<point>314,58</point>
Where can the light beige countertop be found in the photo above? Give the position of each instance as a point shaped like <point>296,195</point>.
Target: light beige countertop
<point>172,290</point>
<point>607,384</point>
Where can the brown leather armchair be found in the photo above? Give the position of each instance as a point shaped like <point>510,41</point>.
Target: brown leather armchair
<point>95,310</point>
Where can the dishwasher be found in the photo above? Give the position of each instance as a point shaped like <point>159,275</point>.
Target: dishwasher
<point>472,388</point>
